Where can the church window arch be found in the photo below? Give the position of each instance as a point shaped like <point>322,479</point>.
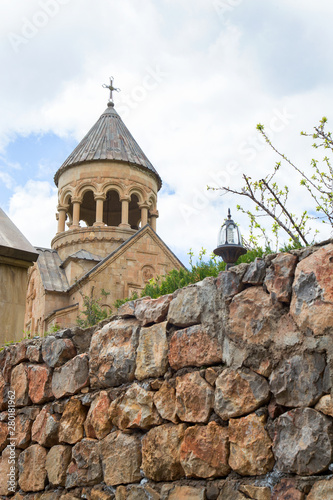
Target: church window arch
<point>112,208</point>
<point>134,212</point>
<point>138,193</point>
<point>88,209</point>
<point>114,186</point>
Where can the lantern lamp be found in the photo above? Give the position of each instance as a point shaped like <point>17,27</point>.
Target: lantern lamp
<point>229,243</point>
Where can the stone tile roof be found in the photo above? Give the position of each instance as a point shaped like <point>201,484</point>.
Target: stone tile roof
<point>13,243</point>
<point>82,255</point>
<point>53,276</point>
<point>108,139</point>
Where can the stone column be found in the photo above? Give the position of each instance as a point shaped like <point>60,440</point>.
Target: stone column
<point>76,213</point>
<point>124,213</point>
<point>99,198</point>
<point>62,211</point>
<point>144,213</point>
<point>153,216</point>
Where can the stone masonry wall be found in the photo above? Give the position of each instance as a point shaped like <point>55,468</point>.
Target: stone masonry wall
<point>219,391</point>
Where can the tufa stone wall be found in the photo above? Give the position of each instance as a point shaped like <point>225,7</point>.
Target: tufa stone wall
<point>219,391</point>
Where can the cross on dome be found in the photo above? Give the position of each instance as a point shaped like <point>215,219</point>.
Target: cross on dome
<point>111,88</point>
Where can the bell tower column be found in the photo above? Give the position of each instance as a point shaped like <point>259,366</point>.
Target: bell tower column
<point>99,198</point>
<point>144,213</point>
<point>124,212</point>
<point>76,213</point>
<point>153,216</point>
<point>62,211</point>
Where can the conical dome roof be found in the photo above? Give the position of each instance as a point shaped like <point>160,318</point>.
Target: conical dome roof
<point>109,139</point>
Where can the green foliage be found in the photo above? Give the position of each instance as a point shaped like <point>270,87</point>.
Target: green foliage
<point>93,311</point>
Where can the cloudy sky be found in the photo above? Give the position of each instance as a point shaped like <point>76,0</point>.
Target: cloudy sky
<point>196,76</point>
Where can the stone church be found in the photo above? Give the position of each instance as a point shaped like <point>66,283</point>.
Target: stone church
<point>106,237</point>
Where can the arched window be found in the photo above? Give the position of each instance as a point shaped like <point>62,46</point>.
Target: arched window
<point>88,208</point>
<point>112,209</point>
<point>134,214</point>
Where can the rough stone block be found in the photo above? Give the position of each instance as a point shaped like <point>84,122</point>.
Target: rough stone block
<point>152,352</point>
<point>135,492</point>
<point>19,383</point>
<point>82,338</point>
<point>85,469</point>
<point>40,383</point>
<point>312,300</point>
<point>34,352</point>
<point>57,352</point>
<point>23,424</point>
<point>303,442</point>
<point>325,405</point>
<point>71,377</point>
<point>121,458</point>
<point>256,492</point>
<point>31,465</point>
<point>230,492</point>
<point>194,398</point>
<point>187,493</point>
<point>185,308</point>
<point>46,427</point>
<point>165,402</point>
<point>161,452</point>
<point>134,409</point>
<point>98,423</point>
<point>49,495</point>
<point>250,446</point>
<point>255,273</point>
<point>204,451</point>
<point>57,461</point>
<point>279,277</point>
<point>298,381</point>
<point>127,309</point>
<point>152,310</point>
<point>322,490</point>
<point>239,392</point>
<point>18,353</point>
<point>195,304</point>
<point>229,283</point>
<point>252,317</point>
<point>113,353</point>
<point>71,427</point>
<point>286,490</point>
<point>287,332</point>
<point>194,346</point>
<point>100,492</point>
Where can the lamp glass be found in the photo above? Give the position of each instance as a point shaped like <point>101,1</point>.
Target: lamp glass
<point>229,235</point>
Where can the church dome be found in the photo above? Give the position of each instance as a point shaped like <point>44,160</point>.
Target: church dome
<point>108,140</point>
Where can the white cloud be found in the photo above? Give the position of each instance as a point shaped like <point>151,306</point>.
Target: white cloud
<point>32,208</point>
<point>7,179</point>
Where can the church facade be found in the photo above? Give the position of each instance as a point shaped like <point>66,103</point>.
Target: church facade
<point>106,237</point>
